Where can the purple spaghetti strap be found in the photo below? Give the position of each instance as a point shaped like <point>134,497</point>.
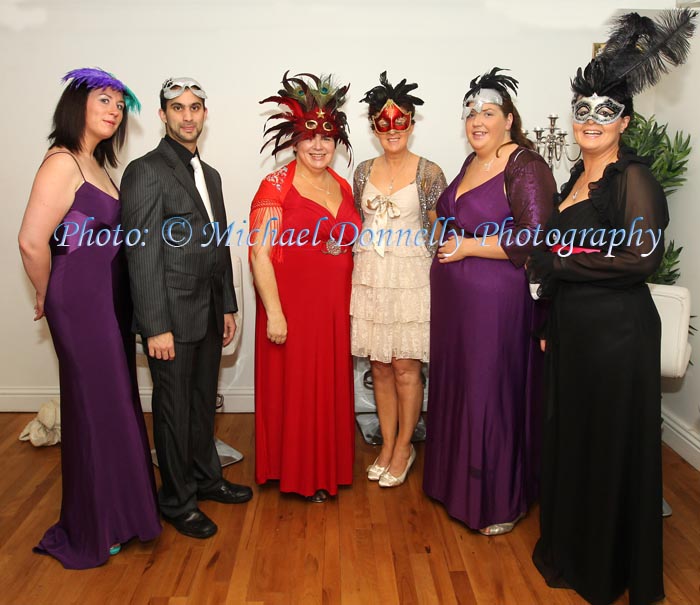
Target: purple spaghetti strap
<point>74,159</point>
<point>112,181</point>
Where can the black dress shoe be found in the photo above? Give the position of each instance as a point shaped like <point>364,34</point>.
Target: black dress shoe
<point>320,495</point>
<point>227,492</point>
<point>193,523</point>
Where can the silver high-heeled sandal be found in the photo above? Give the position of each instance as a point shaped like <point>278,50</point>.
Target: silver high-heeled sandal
<point>500,528</point>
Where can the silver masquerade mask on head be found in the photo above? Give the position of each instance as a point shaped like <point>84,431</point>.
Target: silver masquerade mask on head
<point>602,110</point>
<point>485,95</point>
<point>173,87</point>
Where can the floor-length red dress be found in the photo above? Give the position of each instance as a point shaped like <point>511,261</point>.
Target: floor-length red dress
<point>304,400</point>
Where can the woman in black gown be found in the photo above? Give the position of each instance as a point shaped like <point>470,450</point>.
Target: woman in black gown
<point>601,482</point>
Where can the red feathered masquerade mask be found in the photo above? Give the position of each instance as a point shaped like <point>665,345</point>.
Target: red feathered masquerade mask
<point>312,107</point>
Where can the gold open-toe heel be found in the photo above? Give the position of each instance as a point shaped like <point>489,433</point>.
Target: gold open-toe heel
<point>500,528</point>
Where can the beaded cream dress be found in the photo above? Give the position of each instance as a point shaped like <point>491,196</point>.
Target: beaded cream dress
<point>390,302</point>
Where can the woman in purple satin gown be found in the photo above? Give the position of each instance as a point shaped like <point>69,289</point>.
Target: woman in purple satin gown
<point>70,245</point>
<point>481,457</point>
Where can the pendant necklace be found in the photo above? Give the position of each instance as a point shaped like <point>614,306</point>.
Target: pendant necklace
<point>574,195</point>
<point>486,166</point>
<point>398,172</point>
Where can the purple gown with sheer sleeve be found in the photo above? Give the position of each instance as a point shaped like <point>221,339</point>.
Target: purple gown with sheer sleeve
<point>108,485</point>
<point>481,457</point>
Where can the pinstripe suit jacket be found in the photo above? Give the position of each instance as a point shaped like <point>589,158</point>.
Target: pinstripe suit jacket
<point>174,282</point>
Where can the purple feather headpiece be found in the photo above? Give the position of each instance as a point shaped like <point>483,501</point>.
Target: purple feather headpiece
<point>95,78</point>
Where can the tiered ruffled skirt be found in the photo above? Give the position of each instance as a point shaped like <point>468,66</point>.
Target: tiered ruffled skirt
<point>390,304</point>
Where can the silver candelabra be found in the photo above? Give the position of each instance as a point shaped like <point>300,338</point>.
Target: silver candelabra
<point>551,142</point>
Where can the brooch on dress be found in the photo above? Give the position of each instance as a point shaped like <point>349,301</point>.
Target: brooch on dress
<point>333,248</point>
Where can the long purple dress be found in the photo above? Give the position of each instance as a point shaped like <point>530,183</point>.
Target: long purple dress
<point>481,456</point>
<point>108,485</point>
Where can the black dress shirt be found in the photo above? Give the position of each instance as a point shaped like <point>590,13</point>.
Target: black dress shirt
<point>183,153</point>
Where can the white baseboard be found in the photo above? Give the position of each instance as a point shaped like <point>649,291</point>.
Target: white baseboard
<point>28,399</point>
<point>676,433</point>
<point>681,438</point>
<point>25,399</point>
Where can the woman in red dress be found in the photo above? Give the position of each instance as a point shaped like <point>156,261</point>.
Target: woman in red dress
<point>301,259</point>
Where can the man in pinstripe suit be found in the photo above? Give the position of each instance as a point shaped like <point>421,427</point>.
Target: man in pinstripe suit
<point>184,301</point>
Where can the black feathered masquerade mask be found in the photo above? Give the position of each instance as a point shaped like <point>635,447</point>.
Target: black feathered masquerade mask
<point>635,56</point>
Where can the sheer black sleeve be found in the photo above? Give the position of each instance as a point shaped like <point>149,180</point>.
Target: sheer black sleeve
<point>639,206</point>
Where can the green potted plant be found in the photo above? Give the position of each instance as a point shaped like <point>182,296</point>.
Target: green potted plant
<point>669,165</point>
<point>670,159</point>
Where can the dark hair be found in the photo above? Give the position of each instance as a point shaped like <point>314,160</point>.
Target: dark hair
<point>164,101</point>
<point>516,128</point>
<point>69,126</point>
<point>629,107</point>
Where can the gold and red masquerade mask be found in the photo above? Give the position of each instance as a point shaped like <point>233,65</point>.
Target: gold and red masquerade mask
<point>311,106</point>
<point>391,107</point>
<point>391,117</point>
<point>318,121</point>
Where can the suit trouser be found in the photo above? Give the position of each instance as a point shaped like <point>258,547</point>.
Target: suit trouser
<point>184,407</point>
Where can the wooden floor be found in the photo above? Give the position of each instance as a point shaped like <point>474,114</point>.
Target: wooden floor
<point>368,545</point>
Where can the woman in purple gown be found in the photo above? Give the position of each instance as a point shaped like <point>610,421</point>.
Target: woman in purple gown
<point>481,457</point>
<point>70,245</point>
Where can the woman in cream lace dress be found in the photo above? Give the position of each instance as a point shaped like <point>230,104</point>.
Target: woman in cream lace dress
<point>396,195</point>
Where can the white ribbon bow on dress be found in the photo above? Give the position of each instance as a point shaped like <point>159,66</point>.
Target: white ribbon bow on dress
<point>384,209</point>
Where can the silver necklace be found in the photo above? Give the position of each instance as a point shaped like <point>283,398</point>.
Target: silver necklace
<point>486,166</point>
<point>398,172</point>
<point>574,195</point>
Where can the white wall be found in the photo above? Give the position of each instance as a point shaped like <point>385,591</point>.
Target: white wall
<point>676,104</point>
<point>239,50</point>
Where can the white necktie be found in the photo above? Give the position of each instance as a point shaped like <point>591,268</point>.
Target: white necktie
<point>201,185</point>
